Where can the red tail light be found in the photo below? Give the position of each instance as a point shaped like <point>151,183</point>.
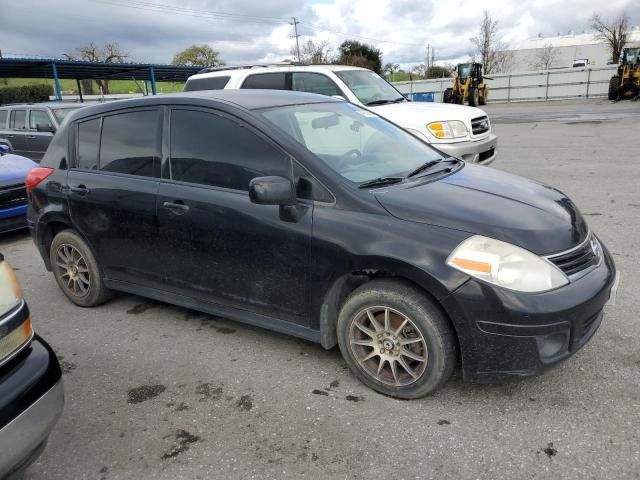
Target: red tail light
<point>37,175</point>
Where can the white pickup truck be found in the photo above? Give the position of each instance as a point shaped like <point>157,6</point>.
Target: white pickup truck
<point>458,131</point>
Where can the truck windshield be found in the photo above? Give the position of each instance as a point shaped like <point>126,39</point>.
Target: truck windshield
<point>370,88</point>
<point>464,69</point>
<point>352,141</point>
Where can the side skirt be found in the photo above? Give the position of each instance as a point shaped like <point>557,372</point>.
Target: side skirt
<point>239,315</point>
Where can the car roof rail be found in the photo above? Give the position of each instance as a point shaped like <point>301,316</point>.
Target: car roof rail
<point>248,66</point>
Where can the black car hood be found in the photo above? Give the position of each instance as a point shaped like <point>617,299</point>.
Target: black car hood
<point>492,203</point>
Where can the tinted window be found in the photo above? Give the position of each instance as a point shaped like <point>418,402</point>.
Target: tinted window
<point>270,81</point>
<point>39,117</point>
<point>207,83</point>
<point>88,142</point>
<point>18,118</point>
<point>212,150</point>
<point>315,83</point>
<point>130,143</point>
<point>3,118</point>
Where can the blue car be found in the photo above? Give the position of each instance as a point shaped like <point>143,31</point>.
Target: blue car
<point>13,194</point>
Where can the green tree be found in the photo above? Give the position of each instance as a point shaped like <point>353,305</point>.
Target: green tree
<point>352,52</point>
<point>202,55</point>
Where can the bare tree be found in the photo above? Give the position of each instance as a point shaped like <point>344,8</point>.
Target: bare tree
<point>110,53</point>
<point>614,32</point>
<point>492,53</point>
<point>314,53</point>
<point>545,57</point>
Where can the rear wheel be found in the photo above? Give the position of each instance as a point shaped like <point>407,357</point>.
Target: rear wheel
<point>628,91</point>
<point>76,270</point>
<point>613,87</point>
<point>484,93</point>
<point>396,340</point>
<point>446,98</point>
<point>473,97</point>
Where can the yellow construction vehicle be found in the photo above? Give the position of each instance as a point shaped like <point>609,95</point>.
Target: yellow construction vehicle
<point>626,83</point>
<point>468,86</point>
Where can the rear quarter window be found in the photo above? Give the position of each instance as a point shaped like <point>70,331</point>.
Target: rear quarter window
<point>268,81</point>
<point>207,83</point>
<point>3,118</point>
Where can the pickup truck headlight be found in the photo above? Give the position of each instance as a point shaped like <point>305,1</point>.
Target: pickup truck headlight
<point>448,129</point>
<point>505,265</point>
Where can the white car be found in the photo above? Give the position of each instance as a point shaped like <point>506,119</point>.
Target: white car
<point>459,131</point>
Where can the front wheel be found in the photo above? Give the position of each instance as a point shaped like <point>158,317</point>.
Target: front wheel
<point>446,97</point>
<point>396,340</point>
<point>473,97</point>
<point>614,83</point>
<point>76,270</point>
<point>484,93</point>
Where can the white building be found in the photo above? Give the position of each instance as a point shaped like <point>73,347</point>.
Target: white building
<point>567,48</point>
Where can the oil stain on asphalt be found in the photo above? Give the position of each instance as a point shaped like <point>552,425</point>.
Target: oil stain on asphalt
<point>184,439</point>
<point>550,451</point>
<point>245,403</point>
<point>145,392</point>
<point>208,392</point>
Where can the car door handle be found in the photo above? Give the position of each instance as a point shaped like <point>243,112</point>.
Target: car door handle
<point>32,137</point>
<point>178,207</point>
<point>80,190</point>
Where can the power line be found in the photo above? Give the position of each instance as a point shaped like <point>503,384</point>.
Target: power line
<point>350,35</point>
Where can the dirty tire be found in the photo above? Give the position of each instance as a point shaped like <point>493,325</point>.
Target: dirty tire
<point>483,96</point>
<point>88,290</point>
<point>404,301</point>
<point>613,87</point>
<point>446,97</point>
<point>473,97</point>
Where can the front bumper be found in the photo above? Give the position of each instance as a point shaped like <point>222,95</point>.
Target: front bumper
<point>13,218</point>
<point>504,334</point>
<point>482,152</point>
<point>31,401</point>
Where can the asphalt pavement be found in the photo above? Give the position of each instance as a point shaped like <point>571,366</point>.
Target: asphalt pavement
<point>160,392</point>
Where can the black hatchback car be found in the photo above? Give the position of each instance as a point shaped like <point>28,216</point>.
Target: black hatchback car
<point>311,216</point>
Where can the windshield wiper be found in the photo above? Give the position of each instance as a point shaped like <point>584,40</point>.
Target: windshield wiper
<point>380,102</point>
<point>380,181</point>
<point>430,164</point>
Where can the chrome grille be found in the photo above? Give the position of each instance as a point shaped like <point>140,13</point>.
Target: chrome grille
<point>480,125</point>
<point>578,259</point>
<point>13,195</point>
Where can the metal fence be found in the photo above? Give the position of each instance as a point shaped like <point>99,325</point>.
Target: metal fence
<point>585,82</point>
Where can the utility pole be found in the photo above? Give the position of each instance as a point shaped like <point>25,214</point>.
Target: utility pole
<point>295,23</point>
<point>426,60</point>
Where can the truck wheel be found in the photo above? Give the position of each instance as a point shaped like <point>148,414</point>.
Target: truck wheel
<point>484,93</point>
<point>76,270</point>
<point>613,87</point>
<point>395,339</point>
<point>446,97</point>
<point>628,91</point>
<point>473,97</point>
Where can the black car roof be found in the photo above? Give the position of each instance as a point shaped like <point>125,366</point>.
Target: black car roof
<point>246,99</point>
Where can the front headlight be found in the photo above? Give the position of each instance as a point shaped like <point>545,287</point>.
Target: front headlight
<point>448,129</point>
<point>505,265</point>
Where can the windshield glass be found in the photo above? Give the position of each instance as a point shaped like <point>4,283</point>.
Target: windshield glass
<point>369,87</point>
<point>631,56</point>
<point>464,69</point>
<point>61,113</point>
<point>354,142</point>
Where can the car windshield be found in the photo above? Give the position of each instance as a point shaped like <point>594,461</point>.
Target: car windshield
<point>370,88</point>
<point>61,113</point>
<point>354,142</point>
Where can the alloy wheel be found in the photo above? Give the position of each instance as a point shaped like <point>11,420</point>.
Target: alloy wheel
<point>388,346</point>
<point>72,270</point>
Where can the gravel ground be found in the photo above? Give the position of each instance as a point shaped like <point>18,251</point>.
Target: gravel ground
<point>155,391</point>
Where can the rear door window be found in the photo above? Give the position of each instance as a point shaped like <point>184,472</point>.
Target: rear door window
<point>18,119</point>
<point>206,83</point>
<point>88,143</point>
<point>269,81</point>
<point>130,143</point>
<point>314,83</point>
<point>3,118</point>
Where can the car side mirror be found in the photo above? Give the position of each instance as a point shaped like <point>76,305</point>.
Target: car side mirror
<point>272,191</point>
<point>45,128</point>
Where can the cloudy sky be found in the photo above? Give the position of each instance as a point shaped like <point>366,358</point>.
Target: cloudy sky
<point>258,31</point>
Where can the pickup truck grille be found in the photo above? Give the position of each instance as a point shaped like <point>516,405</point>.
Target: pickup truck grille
<point>579,259</point>
<point>480,125</point>
<point>13,195</point>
